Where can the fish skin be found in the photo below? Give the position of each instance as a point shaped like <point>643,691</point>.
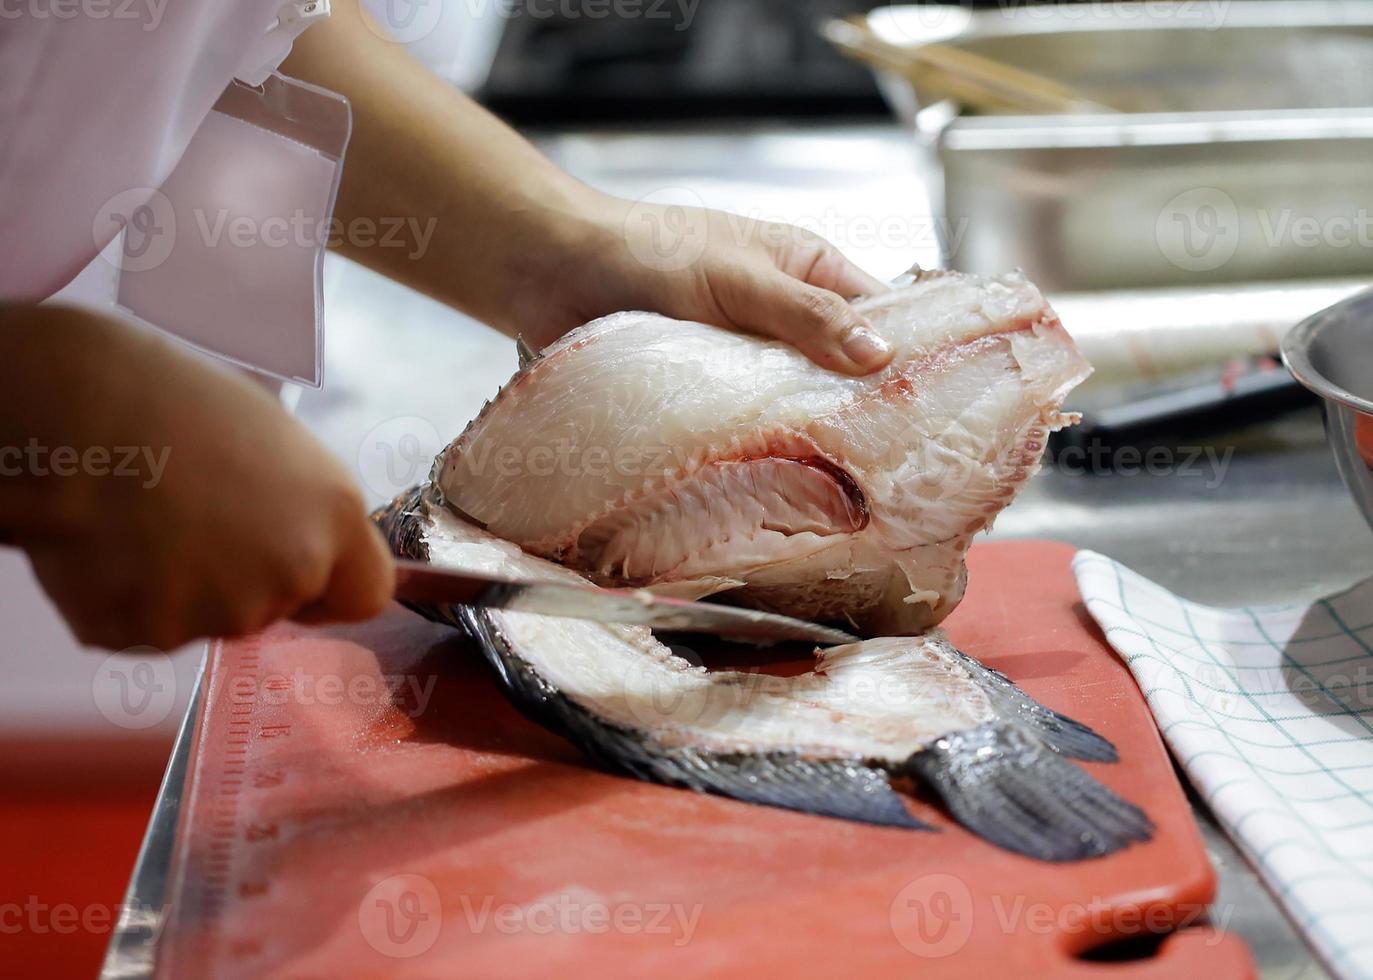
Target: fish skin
<point>751,470</point>
<point>1004,774</point>
<point>831,788</point>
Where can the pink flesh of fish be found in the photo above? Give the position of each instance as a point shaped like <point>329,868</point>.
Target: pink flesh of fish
<point>693,460</point>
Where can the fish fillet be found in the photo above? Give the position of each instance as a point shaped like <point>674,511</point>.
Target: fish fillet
<point>827,741</point>
<point>692,460</point>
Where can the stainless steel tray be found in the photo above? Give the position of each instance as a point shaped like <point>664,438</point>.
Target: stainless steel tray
<point>1241,152</point>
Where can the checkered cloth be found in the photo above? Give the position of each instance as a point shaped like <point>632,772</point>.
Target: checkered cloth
<point>1270,712</point>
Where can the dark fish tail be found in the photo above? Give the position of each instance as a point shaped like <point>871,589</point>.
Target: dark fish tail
<point>1006,785</point>
<point>1062,734</point>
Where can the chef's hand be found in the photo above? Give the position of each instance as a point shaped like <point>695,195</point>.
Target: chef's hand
<point>695,264</point>
<point>161,499</point>
<point>765,278</point>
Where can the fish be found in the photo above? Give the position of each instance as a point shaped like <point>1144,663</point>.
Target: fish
<point>690,460</point>
<point>830,741</point>
<point>695,461</point>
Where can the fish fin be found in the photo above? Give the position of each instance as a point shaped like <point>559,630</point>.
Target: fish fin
<point>402,522</point>
<point>1005,785</point>
<point>525,353</point>
<point>1064,735</point>
<point>909,277</point>
<point>826,787</point>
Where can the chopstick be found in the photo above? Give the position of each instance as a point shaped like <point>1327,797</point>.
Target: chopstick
<point>972,79</point>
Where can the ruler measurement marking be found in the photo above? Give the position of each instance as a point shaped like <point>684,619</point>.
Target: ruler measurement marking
<point>226,867</point>
<point>228,831</point>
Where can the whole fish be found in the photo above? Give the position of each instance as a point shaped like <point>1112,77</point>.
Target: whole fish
<point>825,742</point>
<point>693,460</point>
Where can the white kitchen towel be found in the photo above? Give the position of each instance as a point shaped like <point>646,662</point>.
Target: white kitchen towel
<point>1270,711</point>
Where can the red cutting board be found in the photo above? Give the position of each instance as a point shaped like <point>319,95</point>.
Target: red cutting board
<point>333,829</point>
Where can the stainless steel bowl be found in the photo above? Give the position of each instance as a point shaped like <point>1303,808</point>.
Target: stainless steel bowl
<point>1332,354</point>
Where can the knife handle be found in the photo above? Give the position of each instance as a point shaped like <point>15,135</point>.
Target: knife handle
<point>417,582</point>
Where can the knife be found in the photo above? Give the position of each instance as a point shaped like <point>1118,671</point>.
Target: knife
<point>417,582</point>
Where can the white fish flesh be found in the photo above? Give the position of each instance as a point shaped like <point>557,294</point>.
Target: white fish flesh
<point>692,460</point>
<point>825,742</point>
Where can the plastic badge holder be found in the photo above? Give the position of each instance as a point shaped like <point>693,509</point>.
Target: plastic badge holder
<point>228,255</point>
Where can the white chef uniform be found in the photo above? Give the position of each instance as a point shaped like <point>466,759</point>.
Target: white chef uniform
<point>107,120</point>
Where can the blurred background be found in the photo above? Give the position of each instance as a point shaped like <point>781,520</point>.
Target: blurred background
<point>1185,181</point>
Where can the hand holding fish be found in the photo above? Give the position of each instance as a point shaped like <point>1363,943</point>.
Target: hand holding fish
<point>693,263</point>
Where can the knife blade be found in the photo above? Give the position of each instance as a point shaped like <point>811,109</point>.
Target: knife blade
<point>417,582</point>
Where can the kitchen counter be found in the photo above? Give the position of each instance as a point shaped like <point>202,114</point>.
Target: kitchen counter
<point>403,375</point>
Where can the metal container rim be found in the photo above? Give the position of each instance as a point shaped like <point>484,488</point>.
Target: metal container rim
<point>1141,15</point>
<point>1296,352</point>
